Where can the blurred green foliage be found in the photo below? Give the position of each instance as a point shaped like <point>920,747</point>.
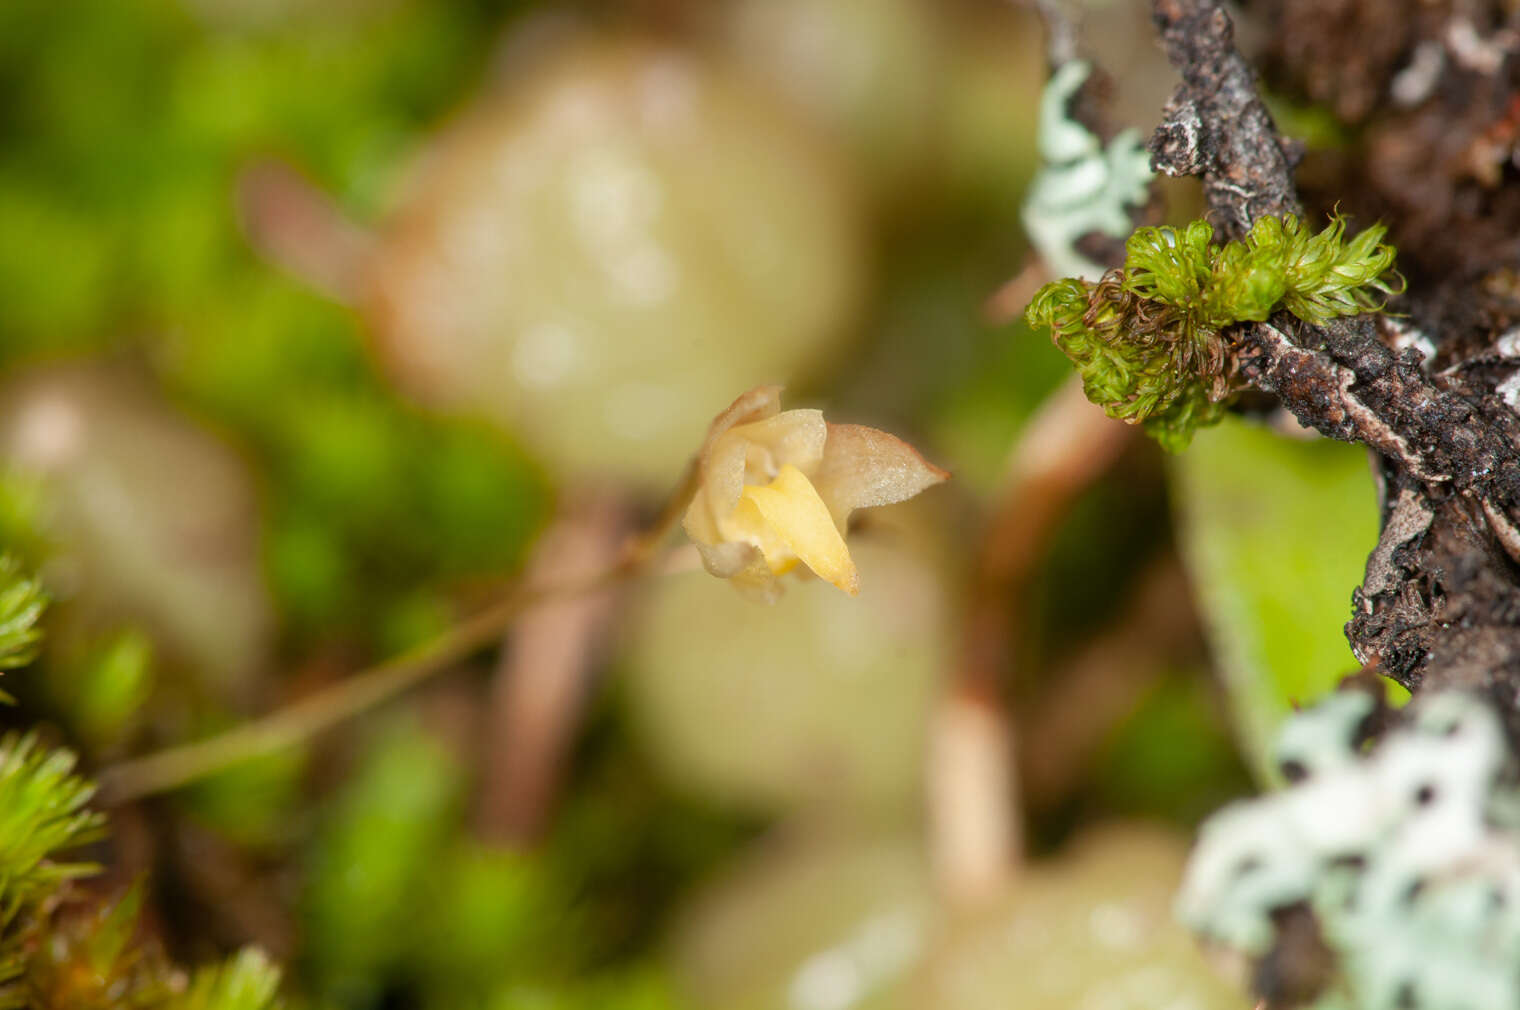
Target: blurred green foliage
<point>58,951</point>
<point>396,900</point>
<point>20,516</point>
<point>120,159</point>
<point>369,874</point>
<point>256,803</point>
<point>1173,757</point>
<point>118,233</point>
<point>104,689</point>
<point>1275,533</point>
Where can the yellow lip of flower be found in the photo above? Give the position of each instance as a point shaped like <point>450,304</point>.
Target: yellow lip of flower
<point>776,489</point>
<point>789,522</point>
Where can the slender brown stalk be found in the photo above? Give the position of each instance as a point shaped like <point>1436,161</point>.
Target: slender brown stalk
<point>179,766</point>
<point>182,765</point>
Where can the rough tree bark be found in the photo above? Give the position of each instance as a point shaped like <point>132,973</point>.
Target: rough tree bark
<point>1440,604</point>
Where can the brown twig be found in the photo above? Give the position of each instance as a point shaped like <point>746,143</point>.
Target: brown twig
<point>1438,604</point>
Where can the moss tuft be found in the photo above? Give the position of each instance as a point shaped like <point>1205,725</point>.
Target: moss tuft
<point>1146,338</point>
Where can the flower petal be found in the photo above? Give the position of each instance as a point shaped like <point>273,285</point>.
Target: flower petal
<point>721,460</point>
<point>722,478</point>
<point>755,405</point>
<point>863,467</point>
<point>797,437</point>
<point>794,513</point>
<point>728,558</point>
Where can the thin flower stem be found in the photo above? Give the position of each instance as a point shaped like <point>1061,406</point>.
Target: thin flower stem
<point>180,766</point>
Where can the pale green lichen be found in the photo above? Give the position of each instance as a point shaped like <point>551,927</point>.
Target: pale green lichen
<point>1408,857</point>
<point>1146,337</point>
<point>1083,186</point>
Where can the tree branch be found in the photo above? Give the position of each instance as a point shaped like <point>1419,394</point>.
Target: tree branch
<point>1440,600</point>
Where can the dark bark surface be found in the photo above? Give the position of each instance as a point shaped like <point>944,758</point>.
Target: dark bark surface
<point>1430,91</point>
<point>1440,604</point>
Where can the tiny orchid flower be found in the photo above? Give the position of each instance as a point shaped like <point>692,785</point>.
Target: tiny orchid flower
<point>776,488</point>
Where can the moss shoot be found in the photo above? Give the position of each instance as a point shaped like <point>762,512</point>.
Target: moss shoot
<point>1146,338</point>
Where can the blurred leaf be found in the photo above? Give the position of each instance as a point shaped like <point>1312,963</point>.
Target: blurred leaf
<point>386,831</point>
<point>870,73</point>
<point>608,341</point>
<point>413,620</point>
<point>493,917</point>
<point>1275,534</point>
<point>21,511</point>
<point>103,690</point>
<point>254,802</point>
<point>39,228</point>
<point>979,420</point>
<point>636,989</point>
<point>480,499</point>
<point>1315,125</point>
<point>1173,758</point>
<point>155,520</point>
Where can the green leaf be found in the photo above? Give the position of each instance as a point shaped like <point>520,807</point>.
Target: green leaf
<point>1275,534</point>
<point>369,870</point>
<point>103,685</point>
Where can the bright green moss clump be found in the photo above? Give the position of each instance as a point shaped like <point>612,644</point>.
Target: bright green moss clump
<point>1146,338</point>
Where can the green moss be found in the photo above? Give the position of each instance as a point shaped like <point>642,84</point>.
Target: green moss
<point>42,812</point>
<point>246,981</point>
<point>21,603</point>
<point>1146,338</point>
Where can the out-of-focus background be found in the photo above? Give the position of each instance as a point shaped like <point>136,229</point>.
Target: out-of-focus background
<point>322,321</point>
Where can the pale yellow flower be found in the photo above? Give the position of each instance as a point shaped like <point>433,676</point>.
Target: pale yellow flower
<point>776,489</point>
